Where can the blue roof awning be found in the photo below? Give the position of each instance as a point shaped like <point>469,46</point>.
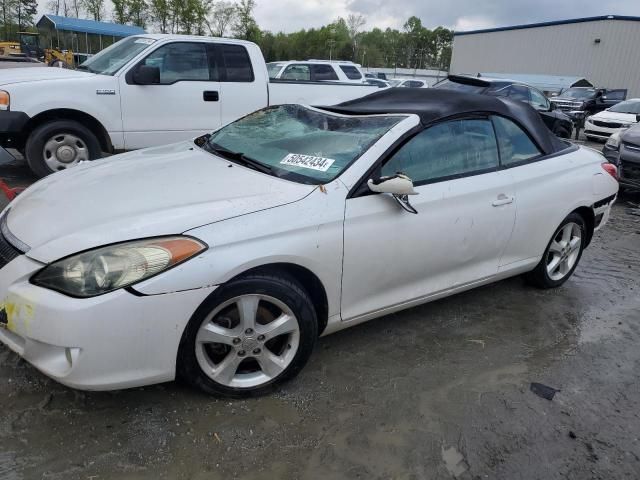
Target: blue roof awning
<point>80,25</point>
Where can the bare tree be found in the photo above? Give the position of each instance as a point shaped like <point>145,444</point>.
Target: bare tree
<point>94,8</point>
<point>75,6</point>
<point>354,25</point>
<point>53,6</point>
<point>221,17</point>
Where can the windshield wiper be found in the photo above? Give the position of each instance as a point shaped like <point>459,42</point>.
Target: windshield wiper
<point>84,67</point>
<point>238,157</point>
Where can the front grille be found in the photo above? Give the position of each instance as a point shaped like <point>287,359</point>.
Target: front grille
<point>629,170</point>
<point>599,134</point>
<point>600,123</point>
<point>7,251</point>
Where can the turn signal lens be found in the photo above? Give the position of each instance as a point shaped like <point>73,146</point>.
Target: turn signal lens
<point>110,268</point>
<point>5,100</point>
<point>611,169</point>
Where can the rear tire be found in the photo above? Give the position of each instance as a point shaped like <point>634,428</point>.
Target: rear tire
<point>58,145</point>
<point>563,133</point>
<point>223,355</point>
<point>562,255</point>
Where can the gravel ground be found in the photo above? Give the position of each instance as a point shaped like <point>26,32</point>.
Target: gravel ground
<point>438,391</point>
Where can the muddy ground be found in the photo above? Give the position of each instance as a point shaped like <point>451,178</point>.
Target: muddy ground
<point>438,391</point>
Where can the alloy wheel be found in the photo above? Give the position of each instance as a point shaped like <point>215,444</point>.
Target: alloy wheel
<point>564,251</point>
<point>247,341</point>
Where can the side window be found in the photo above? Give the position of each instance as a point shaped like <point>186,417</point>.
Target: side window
<point>616,95</point>
<point>180,62</point>
<point>237,64</point>
<point>539,101</point>
<point>414,84</point>
<point>351,72</point>
<point>518,92</point>
<point>296,72</point>
<point>448,149</point>
<point>321,73</point>
<point>515,145</point>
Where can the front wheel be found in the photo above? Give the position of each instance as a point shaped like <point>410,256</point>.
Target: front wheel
<point>562,255</point>
<point>58,145</point>
<point>251,335</point>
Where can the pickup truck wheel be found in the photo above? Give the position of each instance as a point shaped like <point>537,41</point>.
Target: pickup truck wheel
<point>58,145</point>
<point>248,337</point>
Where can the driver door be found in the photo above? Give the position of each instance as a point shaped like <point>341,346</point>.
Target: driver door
<point>466,215</point>
<point>184,105</point>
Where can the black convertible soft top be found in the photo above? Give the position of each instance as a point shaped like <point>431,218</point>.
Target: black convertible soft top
<point>434,105</point>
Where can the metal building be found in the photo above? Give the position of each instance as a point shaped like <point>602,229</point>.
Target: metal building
<point>82,35</point>
<point>603,49</point>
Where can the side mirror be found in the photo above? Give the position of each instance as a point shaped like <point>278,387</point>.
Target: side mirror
<point>146,75</point>
<point>638,118</point>
<point>398,185</point>
<point>604,97</point>
<point>552,106</point>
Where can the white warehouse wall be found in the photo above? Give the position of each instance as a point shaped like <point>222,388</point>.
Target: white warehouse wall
<point>565,49</point>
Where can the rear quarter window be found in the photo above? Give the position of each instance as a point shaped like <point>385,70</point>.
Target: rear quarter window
<point>237,64</point>
<point>351,72</point>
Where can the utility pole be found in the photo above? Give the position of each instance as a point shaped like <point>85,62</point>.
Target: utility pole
<point>331,43</point>
<point>364,52</point>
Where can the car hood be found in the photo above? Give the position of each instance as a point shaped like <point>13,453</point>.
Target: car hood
<point>621,117</point>
<point>37,74</point>
<point>157,191</point>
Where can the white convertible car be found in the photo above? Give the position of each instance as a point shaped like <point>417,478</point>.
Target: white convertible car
<point>223,259</point>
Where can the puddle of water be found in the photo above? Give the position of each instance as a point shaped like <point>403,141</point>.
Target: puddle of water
<point>454,461</point>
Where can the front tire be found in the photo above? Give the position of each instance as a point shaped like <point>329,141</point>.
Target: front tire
<point>562,255</point>
<point>249,336</point>
<point>58,145</point>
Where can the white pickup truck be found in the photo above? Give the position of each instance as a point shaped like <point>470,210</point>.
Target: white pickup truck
<point>143,91</point>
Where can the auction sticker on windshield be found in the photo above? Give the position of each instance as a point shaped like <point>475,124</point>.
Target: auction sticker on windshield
<point>307,161</point>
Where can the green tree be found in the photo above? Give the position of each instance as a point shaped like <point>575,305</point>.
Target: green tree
<point>138,12</point>
<point>160,12</point>
<point>94,8</point>
<point>120,14</point>
<point>245,25</point>
<point>25,11</point>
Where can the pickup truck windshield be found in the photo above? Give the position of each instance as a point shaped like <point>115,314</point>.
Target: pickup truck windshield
<point>579,93</point>
<point>299,143</point>
<point>114,57</point>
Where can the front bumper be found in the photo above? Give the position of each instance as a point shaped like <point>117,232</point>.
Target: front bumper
<point>112,341</point>
<point>593,130</point>
<point>12,128</point>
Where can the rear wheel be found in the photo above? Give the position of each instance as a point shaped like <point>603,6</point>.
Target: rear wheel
<point>250,336</point>
<point>563,132</point>
<point>59,145</point>
<point>562,255</point>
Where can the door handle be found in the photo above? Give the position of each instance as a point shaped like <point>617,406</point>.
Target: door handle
<point>502,200</point>
<point>210,96</point>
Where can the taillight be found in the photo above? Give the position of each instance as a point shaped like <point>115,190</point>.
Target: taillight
<point>611,169</point>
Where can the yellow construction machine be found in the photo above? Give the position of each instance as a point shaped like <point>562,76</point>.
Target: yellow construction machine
<point>29,46</point>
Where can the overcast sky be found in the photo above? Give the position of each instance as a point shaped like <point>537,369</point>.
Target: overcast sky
<point>291,15</point>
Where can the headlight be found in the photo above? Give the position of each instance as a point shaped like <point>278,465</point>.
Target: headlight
<point>105,269</point>
<point>613,142</point>
<point>5,100</point>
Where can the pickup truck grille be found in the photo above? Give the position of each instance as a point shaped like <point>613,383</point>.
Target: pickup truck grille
<point>600,123</point>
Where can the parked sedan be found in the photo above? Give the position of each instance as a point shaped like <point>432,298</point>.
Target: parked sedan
<point>408,83</point>
<point>619,117</point>
<point>221,260</point>
<point>623,150</point>
<point>557,121</point>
